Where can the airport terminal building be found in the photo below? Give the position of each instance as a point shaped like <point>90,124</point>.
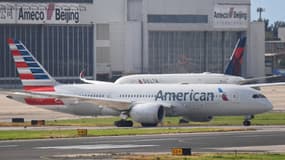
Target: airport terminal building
<point>110,38</point>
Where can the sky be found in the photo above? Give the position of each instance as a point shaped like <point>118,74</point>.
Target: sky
<point>274,10</point>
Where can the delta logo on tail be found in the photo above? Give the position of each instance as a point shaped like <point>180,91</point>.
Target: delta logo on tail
<point>234,66</point>
<point>32,75</point>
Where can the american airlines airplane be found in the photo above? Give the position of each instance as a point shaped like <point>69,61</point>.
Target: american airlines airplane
<point>147,104</point>
<point>232,74</point>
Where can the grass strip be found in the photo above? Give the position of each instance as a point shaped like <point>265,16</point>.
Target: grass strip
<point>43,134</point>
<point>210,156</point>
<point>272,118</point>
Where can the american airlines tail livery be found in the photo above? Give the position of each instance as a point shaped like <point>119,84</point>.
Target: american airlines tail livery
<point>147,104</point>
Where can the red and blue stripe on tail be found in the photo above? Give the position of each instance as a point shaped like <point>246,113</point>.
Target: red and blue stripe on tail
<point>33,76</point>
<point>234,66</point>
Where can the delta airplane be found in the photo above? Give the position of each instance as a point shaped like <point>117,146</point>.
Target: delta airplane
<point>232,74</point>
<point>147,104</point>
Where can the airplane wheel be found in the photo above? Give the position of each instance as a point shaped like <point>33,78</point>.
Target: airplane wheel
<point>246,123</point>
<point>123,123</point>
<point>183,121</point>
<point>149,124</point>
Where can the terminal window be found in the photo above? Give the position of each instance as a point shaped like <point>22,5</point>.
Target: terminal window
<point>190,51</point>
<point>64,50</point>
<point>177,19</point>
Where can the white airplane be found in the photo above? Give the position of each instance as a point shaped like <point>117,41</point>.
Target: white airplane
<point>147,104</point>
<point>232,74</point>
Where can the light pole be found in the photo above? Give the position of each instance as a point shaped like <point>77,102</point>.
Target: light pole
<point>260,10</point>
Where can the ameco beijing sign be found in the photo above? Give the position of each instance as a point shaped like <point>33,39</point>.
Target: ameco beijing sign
<point>231,16</point>
<point>55,13</point>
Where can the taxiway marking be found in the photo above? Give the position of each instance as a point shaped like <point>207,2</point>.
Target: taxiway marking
<point>100,146</point>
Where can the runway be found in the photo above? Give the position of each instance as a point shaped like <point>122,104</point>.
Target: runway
<point>267,139</point>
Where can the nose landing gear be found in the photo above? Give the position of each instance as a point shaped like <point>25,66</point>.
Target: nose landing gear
<point>247,119</point>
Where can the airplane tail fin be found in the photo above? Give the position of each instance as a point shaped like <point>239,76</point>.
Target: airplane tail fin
<point>32,74</point>
<point>234,66</point>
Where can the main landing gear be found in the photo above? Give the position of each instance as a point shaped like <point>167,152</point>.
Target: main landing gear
<point>149,124</point>
<point>124,122</point>
<point>247,119</point>
<point>183,121</point>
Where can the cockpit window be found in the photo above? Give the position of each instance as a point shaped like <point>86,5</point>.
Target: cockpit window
<point>258,96</point>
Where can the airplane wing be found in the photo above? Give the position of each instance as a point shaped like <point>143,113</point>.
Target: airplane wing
<point>116,104</point>
<point>119,105</point>
<point>246,81</point>
<point>264,84</point>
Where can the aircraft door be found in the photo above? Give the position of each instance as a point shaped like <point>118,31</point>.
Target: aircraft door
<point>235,97</point>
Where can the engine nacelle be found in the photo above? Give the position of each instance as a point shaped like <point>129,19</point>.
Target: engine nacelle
<point>199,119</point>
<point>148,113</point>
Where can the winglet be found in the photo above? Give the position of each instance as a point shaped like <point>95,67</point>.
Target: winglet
<point>82,75</point>
<point>278,72</point>
<point>83,79</point>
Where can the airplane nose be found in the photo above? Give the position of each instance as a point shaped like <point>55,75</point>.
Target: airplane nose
<point>267,106</point>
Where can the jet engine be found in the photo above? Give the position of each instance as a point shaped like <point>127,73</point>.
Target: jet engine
<point>199,118</point>
<point>148,114</point>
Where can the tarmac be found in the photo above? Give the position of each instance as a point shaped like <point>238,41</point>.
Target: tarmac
<point>276,94</point>
<point>266,139</point>
<point>13,109</point>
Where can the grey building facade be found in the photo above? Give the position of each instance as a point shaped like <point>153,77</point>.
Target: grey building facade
<point>53,31</point>
<point>109,38</point>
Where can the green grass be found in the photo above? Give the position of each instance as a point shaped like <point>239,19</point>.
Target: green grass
<point>41,134</point>
<point>96,121</point>
<point>273,118</point>
<point>139,131</point>
<point>210,156</point>
<point>242,156</point>
<point>32,134</point>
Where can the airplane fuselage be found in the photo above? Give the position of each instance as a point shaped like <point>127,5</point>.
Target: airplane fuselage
<point>187,78</point>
